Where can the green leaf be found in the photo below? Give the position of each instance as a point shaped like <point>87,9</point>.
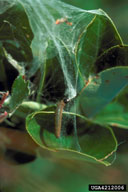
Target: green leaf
<point>28,107</point>
<point>19,92</point>
<point>116,112</point>
<point>91,142</point>
<point>113,57</point>
<point>16,37</point>
<point>101,90</point>
<point>105,86</point>
<point>98,36</point>
<point>122,99</point>
<point>114,115</point>
<point>15,32</point>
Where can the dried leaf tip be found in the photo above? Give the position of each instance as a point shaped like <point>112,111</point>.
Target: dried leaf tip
<point>3,116</point>
<point>4,96</point>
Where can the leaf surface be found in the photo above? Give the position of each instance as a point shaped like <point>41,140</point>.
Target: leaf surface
<point>19,92</point>
<point>93,142</point>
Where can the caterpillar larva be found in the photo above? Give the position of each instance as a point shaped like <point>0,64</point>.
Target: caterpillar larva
<point>63,20</point>
<point>58,118</point>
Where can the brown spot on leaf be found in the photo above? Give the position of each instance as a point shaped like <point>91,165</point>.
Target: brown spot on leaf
<point>95,83</point>
<point>97,76</point>
<point>107,81</point>
<point>24,77</point>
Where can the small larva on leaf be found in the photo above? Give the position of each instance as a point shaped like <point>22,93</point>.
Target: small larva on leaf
<point>63,20</point>
<point>58,118</point>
